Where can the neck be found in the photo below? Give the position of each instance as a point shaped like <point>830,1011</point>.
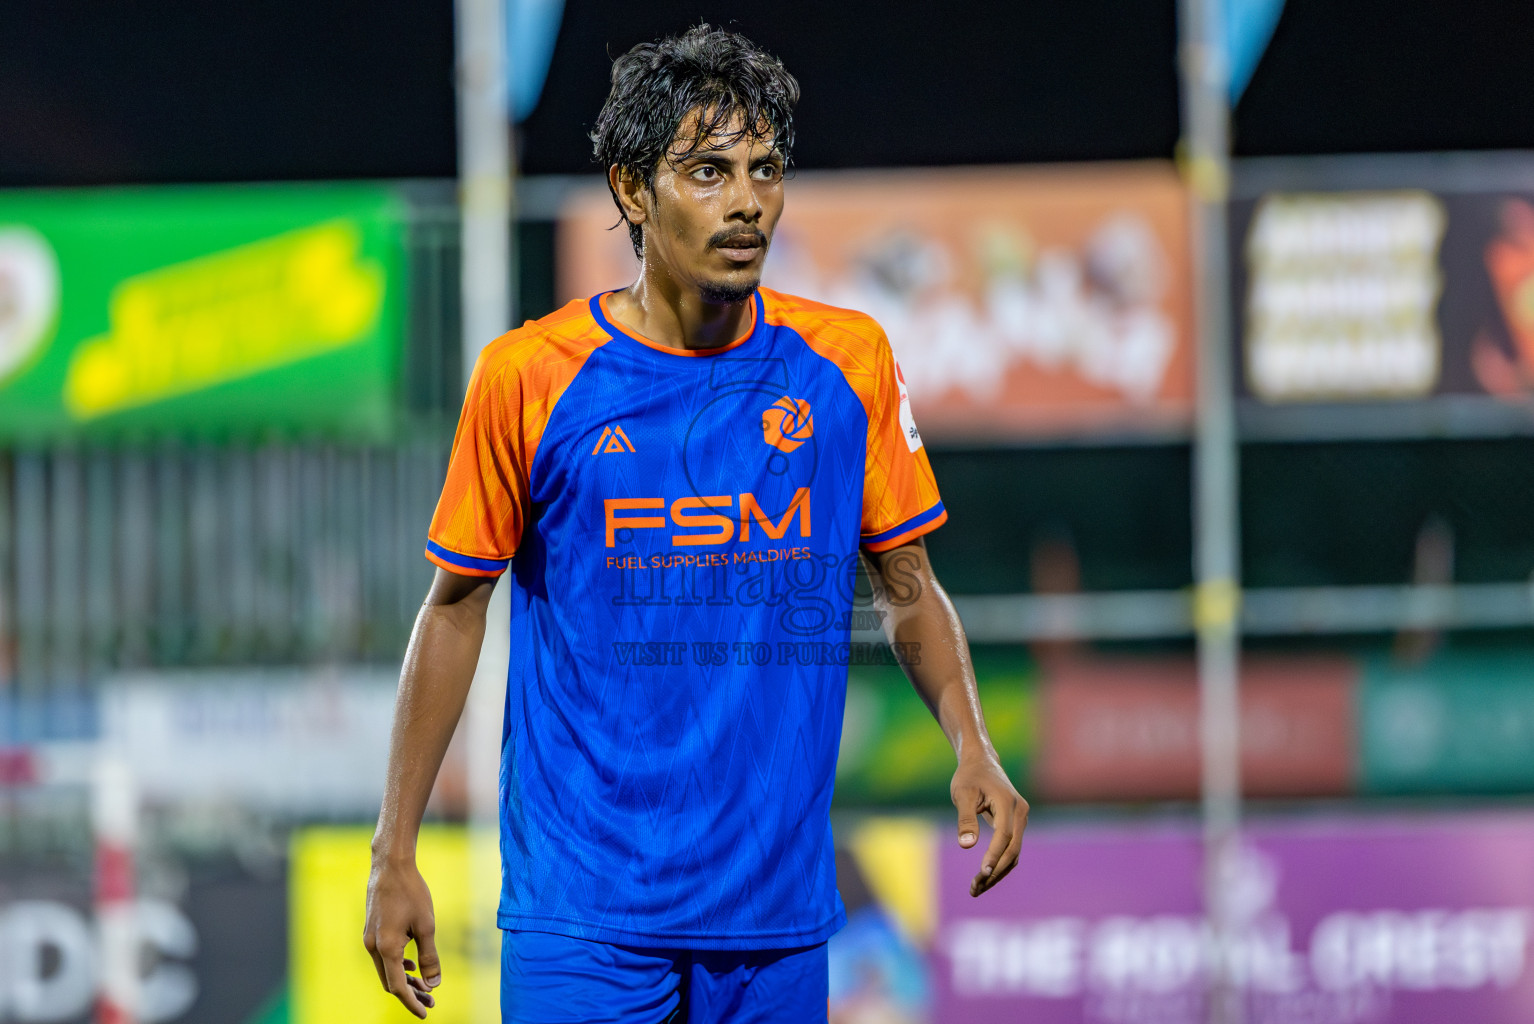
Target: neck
<point>658,307</point>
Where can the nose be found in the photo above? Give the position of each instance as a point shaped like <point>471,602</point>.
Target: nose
<point>744,204</point>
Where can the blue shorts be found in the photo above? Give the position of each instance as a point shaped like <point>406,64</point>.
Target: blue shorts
<point>554,979</point>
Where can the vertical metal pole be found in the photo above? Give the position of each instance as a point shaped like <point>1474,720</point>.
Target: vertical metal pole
<point>1217,597</point>
<point>103,505</point>
<point>9,592</point>
<point>484,170</point>
<point>240,468</point>
<point>30,549</point>
<point>114,806</point>
<point>135,558</point>
<point>170,555</point>
<point>484,174</point>
<point>66,526</point>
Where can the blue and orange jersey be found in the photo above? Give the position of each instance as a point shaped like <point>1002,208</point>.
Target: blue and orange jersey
<point>679,531</point>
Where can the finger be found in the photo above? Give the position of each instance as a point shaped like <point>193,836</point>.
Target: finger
<point>426,950</point>
<point>1014,848</point>
<point>409,964</point>
<point>1000,839</point>
<point>967,800</point>
<point>370,943</point>
<point>421,991</point>
<point>398,987</point>
<point>378,965</point>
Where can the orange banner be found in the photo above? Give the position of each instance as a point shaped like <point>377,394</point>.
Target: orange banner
<point>1022,303</point>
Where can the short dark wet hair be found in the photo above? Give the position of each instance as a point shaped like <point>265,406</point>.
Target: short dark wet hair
<point>656,85</point>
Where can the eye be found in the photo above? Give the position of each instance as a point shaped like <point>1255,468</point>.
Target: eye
<point>707,172</point>
<point>766,172</point>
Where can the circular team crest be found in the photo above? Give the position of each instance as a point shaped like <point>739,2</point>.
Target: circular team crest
<point>787,424</point>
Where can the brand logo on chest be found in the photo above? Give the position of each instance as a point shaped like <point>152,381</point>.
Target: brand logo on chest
<point>720,513</point>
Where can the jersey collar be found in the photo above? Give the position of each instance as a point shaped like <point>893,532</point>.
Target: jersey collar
<point>616,330</point>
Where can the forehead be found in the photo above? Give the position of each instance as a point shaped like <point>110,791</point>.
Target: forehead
<point>720,135</point>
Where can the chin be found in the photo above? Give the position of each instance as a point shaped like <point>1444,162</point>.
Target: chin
<point>729,291</point>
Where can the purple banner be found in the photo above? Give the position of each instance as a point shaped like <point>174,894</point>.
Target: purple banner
<point>1416,921</point>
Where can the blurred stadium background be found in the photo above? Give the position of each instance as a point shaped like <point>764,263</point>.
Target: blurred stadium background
<point>231,360</point>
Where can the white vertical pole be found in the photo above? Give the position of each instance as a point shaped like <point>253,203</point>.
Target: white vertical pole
<point>484,196</point>
<point>114,814</point>
<point>1206,164</point>
<point>484,174</point>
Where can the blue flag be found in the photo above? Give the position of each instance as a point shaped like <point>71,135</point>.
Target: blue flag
<point>531,28</point>
<point>1249,26</point>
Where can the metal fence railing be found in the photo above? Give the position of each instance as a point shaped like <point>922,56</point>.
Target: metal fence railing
<point>202,555</point>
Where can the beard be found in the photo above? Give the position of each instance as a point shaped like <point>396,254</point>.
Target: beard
<point>728,292</point>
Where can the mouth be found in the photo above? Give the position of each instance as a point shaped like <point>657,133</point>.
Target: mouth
<point>742,248</point>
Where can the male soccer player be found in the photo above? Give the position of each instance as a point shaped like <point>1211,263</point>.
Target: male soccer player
<point>676,478</point>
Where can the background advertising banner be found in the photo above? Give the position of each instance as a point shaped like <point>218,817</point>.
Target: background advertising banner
<point>1342,296</point>
<point>1417,298</point>
<point>291,742</point>
<point>1460,723</point>
<point>331,976</point>
<point>1344,922</point>
<point>878,965</point>
<point>1021,303</point>
<point>214,934</point>
<point>205,310</point>
<point>1128,728</point>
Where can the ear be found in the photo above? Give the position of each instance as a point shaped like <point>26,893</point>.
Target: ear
<point>630,190</point>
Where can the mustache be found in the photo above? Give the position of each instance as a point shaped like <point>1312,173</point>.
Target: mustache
<point>738,237</point>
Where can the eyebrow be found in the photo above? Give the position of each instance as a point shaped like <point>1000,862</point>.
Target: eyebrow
<point>716,160</point>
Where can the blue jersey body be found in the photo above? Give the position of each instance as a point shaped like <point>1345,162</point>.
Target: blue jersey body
<point>682,553</point>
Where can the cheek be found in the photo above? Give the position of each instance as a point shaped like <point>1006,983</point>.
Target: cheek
<point>772,205</point>
<point>682,217</point>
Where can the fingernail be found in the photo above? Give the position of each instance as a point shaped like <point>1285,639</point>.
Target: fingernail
<point>433,982</point>
<point>986,871</point>
<point>968,837</point>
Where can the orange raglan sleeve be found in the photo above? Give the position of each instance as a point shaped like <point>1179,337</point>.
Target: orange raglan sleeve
<point>900,497</point>
<point>484,504</point>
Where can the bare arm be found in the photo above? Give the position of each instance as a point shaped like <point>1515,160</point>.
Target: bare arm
<point>434,683</point>
<point>919,617</point>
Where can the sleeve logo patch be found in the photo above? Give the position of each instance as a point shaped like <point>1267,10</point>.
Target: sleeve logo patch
<point>907,421</point>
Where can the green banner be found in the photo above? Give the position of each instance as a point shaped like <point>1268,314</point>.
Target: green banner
<point>1462,723</point>
<point>210,310</point>
<point>893,752</point>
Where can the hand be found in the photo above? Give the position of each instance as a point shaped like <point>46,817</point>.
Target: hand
<point>980,786</point>
<point>399,909</point>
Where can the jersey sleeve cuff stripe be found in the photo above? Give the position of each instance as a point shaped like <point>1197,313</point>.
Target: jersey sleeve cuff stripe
<point>922,522</point>
<point>465,565</point>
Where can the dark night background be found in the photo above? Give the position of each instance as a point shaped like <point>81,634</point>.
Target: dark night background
<point>191,91</point>
<point>96,92</point>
